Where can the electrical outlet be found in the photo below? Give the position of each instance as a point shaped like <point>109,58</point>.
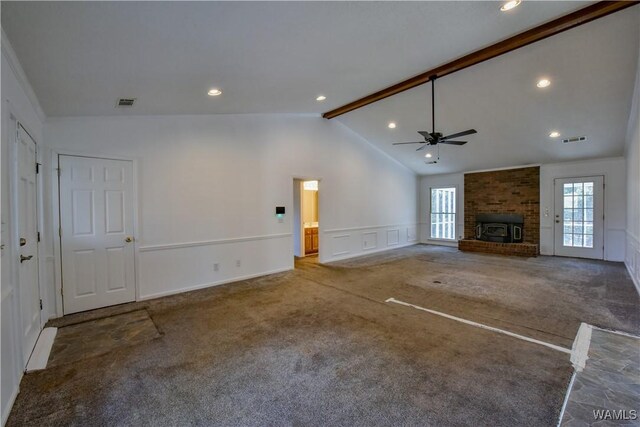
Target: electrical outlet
<point>237,263</point>
<point>216,267</point>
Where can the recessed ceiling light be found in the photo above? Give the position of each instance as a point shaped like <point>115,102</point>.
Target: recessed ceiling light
<point>391,125</point>
<point>543,83</point>
<point>428,155</point>
<point>321,98</point>
<point>214,92</point>
<point>554,134</point>
<point>510,5</point>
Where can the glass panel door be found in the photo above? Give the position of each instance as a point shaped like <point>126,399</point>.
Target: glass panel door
<point>579,217</point>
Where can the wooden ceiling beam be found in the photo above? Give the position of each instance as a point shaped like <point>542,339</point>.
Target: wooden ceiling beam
<point>572,20</point>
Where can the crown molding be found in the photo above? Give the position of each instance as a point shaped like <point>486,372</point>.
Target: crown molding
<point>14,64</point>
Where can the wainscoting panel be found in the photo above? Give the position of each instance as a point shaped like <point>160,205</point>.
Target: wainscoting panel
<point>393,237</point>
<point>412,234</point>
<point>340,244</point>
<point>170,269</point>
<point>369,240</point>
<point>356,241</point>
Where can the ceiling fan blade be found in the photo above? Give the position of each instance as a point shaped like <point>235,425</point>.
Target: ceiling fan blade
<point>402,143</point>
<point>422,147</point>
<point>453,142</point>
<point>455,135</point>
<point>425,134</point>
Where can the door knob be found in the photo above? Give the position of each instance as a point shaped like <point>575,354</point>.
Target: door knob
<point>23,241</point>
<point>128,239</point>
<point>25,258</point>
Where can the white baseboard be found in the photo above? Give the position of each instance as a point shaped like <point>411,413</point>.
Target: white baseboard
<point>370,252</point>
<point>208,285</point>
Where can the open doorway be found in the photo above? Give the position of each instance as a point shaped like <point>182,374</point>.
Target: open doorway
<point>306,241</point>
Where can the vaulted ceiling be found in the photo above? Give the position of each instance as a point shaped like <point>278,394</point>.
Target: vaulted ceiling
<point>273,57</point>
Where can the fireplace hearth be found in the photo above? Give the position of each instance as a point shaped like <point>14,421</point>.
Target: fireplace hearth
<point>500,228</point>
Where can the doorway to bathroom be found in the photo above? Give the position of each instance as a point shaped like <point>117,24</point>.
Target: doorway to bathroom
<point>306,240</point>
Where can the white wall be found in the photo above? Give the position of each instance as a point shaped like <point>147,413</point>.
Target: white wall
<point>434,181</point>
<point>18,104</point>
<point>296,209</point>
<point>615,201</point>
<point>615,204</point>
<point>208,187</point>
<point>632,154</point>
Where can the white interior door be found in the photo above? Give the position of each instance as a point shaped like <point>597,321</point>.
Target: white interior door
<point>27,227</point>
<point>579,217</point>
<point>96,216</point>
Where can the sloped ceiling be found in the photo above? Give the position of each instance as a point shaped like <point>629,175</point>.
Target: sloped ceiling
<point>268,57</point>
<point>273,57</point>
<point>592,69</point>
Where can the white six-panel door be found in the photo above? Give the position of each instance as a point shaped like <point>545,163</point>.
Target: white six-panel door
<point>96,217</point>
<point>579,217</point>
<point>27,227</point>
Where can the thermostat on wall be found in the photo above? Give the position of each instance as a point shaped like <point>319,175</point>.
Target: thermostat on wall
<point>279,211</point>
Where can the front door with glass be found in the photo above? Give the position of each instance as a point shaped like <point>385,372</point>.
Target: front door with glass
<point>579,217</point>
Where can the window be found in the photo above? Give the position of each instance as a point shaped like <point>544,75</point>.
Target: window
<point>578,215</point>
<point>443,213</point>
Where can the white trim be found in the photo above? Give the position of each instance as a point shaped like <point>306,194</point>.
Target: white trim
<point>57,241</point>
<point>368,252</point>
<point>458,203</point>
<point>208,285</point>
<point>341,235</point>
<point>580,348</point>
<point>566,398</point>
<point>397,233</point>
<point>369,233</point>
<point>482,326</point>
<point>212,242</point>
<point>555,190</point>
<point>42,350</point>
<point>18,71</point>
<point>394,226</point>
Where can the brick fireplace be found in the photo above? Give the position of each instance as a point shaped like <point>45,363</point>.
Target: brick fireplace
<point>511,193</point>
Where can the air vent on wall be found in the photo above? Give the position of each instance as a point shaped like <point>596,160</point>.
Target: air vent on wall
<point>125,102</point>
<point>574,139</point>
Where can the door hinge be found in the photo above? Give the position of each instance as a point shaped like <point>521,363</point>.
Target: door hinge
<point>60,231</point>
<point>37,168</point>
<point>38,236</point>
<point>59,172</point>
<point>40,304</point>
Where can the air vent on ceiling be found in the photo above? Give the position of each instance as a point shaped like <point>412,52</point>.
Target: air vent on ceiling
<point>574,139</point>
<point>125,102</point>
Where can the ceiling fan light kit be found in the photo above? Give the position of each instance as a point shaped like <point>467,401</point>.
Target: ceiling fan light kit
<point>433,137</point>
